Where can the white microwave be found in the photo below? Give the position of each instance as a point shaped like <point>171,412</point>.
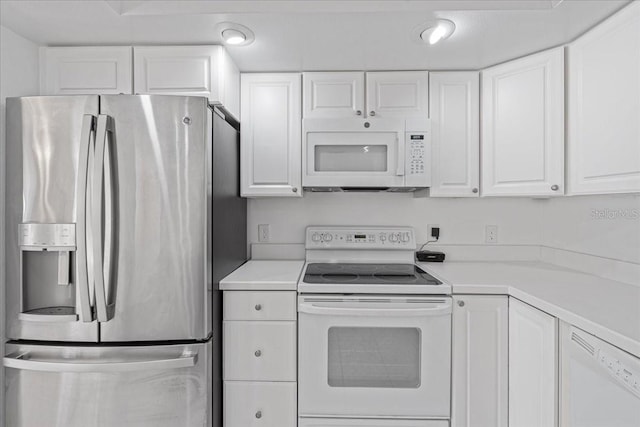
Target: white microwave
<point>366,154</point>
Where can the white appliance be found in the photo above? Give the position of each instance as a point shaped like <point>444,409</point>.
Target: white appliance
<point>366,154</point>
<point>374,332</point>
<point>600,384</point>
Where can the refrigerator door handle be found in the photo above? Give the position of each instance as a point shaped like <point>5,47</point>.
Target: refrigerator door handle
<point>86,143</point>
<point>24,362</point>
<point>102,239</point>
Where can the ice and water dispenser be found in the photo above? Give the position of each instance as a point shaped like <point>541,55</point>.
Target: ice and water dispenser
<point>47,260</point>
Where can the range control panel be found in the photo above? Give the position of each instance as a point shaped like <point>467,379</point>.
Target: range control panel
<point>360,238</point>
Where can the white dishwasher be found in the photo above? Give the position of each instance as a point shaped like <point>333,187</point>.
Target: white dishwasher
<point>600,384</point>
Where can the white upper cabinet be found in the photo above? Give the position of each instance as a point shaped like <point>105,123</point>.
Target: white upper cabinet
<point>85,70</point>
<point>402,94</point>
<point>604,107</point>
<point>480,361</point>
<point>333,94</point>
<point>523,126</point>
<point>271,135</point>
<point>533,377</point>
<point>455,133</point>
<point>188,70</point>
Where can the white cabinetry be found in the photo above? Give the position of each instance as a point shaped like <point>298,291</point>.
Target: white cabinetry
<point>523,126</point>
<point>533,362</point>
<point>260,362</point>
<point>271,136</point>
<point>455,133</point>
<point>85,70</point>
<point>397,94</point>
<point>400,94</point>
<point>604,107</point>
<point>479,361</point>
<point>333,94</point>
<point>188,70</point>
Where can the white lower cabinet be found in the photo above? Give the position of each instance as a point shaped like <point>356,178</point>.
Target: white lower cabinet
<point>480,361</point>
<point>533,352</point>
<point>353,422</point>
<point>260,404</point>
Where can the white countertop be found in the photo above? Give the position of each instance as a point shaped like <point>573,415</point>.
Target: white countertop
<point>264,275</point>
<point>605,308</point>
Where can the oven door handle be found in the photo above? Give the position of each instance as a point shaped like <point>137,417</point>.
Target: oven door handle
<point>379,311</point>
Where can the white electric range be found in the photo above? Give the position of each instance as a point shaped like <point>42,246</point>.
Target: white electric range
<point>374,332</point>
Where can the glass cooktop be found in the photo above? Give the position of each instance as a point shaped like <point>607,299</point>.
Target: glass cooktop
<point>370,274</point>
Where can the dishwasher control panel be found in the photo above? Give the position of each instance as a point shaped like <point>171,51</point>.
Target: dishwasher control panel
<point>619,371</point>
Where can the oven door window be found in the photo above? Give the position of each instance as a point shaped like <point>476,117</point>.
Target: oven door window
<point>374,357</point>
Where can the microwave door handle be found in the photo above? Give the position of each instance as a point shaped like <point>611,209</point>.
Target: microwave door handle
<point>99,248</point>
<point>25,362</point>
<point>87,141</point>
<point>438,310</point>
<point>401,157</point>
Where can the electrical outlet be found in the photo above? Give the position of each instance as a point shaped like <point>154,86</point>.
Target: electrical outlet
<point>264,233</point>
<point>430,228</point>
<point>491,234</point>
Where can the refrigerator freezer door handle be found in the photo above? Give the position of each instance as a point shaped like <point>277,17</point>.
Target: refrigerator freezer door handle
<point>102,249</point>
<point>86,142</point>
<point>24,362</point>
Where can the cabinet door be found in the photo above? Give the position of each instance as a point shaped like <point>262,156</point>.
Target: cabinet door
<point>604,107</point>
<point>401,94</point>
<point>479,363</point>
<point>271,136</point>
<point>85,70</point>
<point>532,366</point>
<point>523,126</point>
<point>188,70</point>
<point>260,404</point>
<point>455,133</point>
<point>333,94</point>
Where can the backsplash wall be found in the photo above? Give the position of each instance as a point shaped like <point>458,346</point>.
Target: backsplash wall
<point>606,225</point>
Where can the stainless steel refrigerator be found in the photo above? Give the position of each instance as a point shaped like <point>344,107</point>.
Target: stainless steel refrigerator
<point>122,214</point>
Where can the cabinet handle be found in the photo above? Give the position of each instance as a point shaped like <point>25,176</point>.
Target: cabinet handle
<point>294,189</point>
<point>461,303</point>
<point>259,414</point>
<point>359,113</point>
<point>258,353</point>
<point>372,113</point>
<point>475,190</point>
<point>554,187</point>
<point>258,307</point>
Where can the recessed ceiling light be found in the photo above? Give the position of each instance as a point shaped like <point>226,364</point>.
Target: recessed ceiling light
<point>233,34</point>
<point>233,37</point>
<point>433,31</point>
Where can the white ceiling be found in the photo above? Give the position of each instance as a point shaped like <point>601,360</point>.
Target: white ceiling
<point>295,35</point>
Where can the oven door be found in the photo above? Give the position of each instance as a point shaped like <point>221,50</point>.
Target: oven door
<point>345,153</point>
<point>368,356</point>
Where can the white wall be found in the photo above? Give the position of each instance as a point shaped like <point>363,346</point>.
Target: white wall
<point>461,221</point>
<point>606,226</point>
<point>18,77</point>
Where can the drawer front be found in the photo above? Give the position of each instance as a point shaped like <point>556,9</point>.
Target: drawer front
<point>251,404</point>
<point>269,305</point>
<point>259,351</point>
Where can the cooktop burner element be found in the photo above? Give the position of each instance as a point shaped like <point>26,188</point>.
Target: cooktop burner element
<point>371,274</point>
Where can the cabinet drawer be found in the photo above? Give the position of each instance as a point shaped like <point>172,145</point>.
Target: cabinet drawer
<point>259,351</point>
<point>268,305</point>
<point>251,404</point>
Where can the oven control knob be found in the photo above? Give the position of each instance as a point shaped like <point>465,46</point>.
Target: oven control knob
<point>328,237</point>
<point>404,237</point>
<point>316,237</point>
<point>383,237</point>
<point>393,237</point>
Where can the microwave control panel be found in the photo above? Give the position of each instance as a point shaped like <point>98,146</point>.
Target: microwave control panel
<point>418,159</point>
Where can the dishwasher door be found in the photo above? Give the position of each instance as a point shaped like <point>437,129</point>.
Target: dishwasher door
<point>600,384</point>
